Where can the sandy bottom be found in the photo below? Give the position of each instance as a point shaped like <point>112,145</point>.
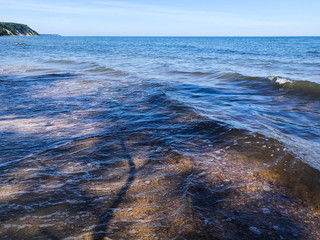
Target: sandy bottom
<point>216,195</point>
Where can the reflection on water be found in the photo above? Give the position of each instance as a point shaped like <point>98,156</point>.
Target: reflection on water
<point>98,152</point>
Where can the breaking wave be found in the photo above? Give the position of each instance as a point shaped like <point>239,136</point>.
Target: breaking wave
<point>293,86</point>
<point>300,87</point>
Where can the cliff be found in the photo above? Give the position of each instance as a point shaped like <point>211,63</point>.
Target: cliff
<point>16,29</point>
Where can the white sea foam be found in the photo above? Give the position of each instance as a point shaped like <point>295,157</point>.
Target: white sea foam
<point>280,80</point>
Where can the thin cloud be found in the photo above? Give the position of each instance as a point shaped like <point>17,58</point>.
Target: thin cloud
<point>140,10</point>
<point>223,18</point>
<point>144,8</point>
<point>102,7</point>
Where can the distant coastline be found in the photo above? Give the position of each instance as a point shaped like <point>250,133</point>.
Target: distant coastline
<point>50,35</point>
<point>16,29</point>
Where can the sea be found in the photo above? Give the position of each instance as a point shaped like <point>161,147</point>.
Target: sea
<point>82,117</point>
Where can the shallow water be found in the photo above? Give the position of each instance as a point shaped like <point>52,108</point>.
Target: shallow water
<point>94,126</point>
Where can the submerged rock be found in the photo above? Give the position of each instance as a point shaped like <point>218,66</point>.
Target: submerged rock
<point>255,230</point>
<point>265,210</point>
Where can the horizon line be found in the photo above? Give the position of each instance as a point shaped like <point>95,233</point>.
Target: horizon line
<point>56,34</point>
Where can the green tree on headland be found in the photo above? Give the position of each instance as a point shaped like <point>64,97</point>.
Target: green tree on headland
<point>16,29</point>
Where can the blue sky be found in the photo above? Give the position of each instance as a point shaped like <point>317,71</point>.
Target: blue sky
<point>166,18</point>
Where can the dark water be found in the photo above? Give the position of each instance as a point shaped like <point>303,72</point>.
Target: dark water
<point>74,110</point>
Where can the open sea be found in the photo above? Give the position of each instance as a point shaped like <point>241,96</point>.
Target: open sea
<point>151,137</point>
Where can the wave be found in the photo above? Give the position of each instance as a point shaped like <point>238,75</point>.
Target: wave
<point>238,76</point>
<point>101,69</point>
<point>300,87</point>
<point>196,73</point>
<point>222,75</point>
<point>55,76</point>
<point>15,70</point>
<point>90,67</point>
<point>36,78</point>
<point>111,71</point>
<point>313,52</point>
<point>62,61</point>
<point>297,87</point>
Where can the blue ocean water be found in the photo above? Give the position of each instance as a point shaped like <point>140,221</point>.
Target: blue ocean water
<point>247,95</point>
<point>268,85</point>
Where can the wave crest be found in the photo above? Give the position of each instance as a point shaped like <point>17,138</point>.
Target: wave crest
<point>300,87</point>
